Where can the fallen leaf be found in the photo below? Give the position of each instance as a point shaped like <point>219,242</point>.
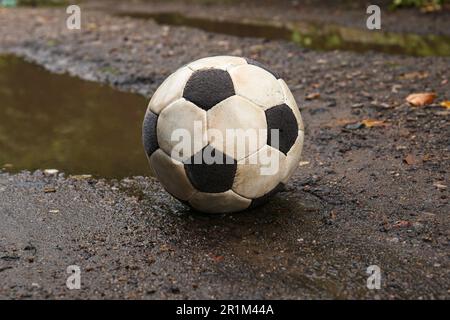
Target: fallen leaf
<point>369,123</point>
<point>445,104</point>
<point>410,159</point>
<point>313,96</point>
<point>216,259</point>
<point>421,99</point>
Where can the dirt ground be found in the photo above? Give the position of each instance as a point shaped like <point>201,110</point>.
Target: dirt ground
<point>362,195</point>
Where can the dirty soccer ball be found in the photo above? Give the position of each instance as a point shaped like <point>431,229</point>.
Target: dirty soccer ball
<point>223,134</point>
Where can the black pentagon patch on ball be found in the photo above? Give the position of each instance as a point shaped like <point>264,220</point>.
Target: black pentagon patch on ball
<point>206,88</point>
<point>262,66</point>
<point>262,200</point>
<point>282,118</point>
<point>211,171</point>
<point>149,136</point>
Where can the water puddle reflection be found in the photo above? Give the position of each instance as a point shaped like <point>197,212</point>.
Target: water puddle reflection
<point>312,35</point>
<point>61,122</point>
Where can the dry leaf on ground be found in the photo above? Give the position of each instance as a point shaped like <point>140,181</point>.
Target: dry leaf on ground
<point>445,104</point>
<point>216,259</point>
<point>421,99</point>
<point>410,159</point>
<point>368,123</point>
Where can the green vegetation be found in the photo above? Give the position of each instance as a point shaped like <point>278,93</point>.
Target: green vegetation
<point>333,37</point>
<point>417,3</point>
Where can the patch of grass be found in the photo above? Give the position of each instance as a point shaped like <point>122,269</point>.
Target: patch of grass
<point>110,70</point>
<point>417,3</point>
<point>52,43</point>
<point>207,2</point>
<point>392,64</point>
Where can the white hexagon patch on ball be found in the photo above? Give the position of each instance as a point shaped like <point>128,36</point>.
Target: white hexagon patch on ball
<point>223,134</point>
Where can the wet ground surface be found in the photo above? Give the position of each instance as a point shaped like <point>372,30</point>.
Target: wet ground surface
<point>308,34</point>
<point>351,14</point>
<point>362,195</point>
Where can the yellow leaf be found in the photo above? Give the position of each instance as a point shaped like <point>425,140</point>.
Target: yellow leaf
<point>368,123</point>
<point>445,104</point>
<point>421,99</point>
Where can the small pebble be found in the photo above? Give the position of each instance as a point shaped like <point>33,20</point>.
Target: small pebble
<point>51,172</point>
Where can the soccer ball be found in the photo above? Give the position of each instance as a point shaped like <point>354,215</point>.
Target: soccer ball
<point>223,134</point>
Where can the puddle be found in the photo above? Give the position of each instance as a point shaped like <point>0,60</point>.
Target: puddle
<point>312,35</point>
<point>61,122</point>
